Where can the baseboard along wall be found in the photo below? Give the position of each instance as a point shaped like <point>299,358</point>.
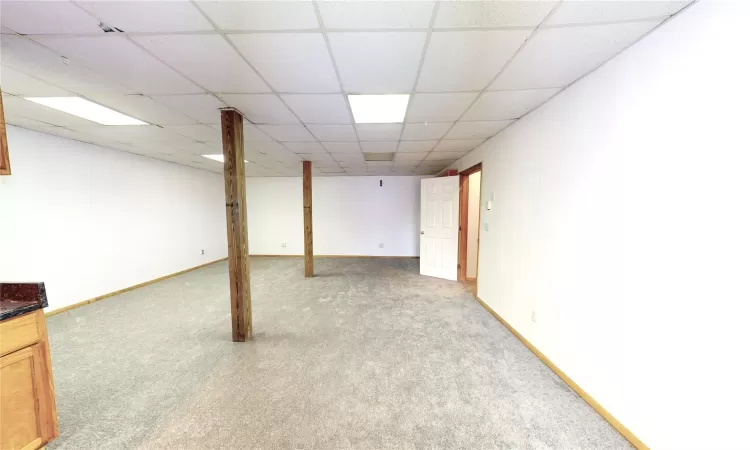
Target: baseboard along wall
<point>616,424</point>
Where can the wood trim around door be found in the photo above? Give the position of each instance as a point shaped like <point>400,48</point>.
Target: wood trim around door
<point>463,218</point>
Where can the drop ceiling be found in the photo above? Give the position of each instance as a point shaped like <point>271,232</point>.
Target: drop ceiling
<point>471,67</point>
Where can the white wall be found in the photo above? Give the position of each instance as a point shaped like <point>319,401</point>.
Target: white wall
<point>475,183</point>
<point>88,221</point>
<point>351,216</point>
<point>622,219</point>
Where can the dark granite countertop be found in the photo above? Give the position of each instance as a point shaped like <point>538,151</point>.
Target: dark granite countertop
<point>21,298</point>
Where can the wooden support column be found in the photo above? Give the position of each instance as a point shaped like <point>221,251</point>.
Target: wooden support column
<point>4,157</point>
<point>234,187</point>
<point>307,212</point>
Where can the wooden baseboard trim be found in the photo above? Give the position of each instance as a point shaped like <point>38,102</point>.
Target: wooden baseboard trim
<point>627,434</point>
<point>130,288</point>
<point>332,256</point>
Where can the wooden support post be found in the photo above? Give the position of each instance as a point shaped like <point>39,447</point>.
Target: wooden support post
<point>307,212</point>
<point>234,187</point>
<point>4,157</point>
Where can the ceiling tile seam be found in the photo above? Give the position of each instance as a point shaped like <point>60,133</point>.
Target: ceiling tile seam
<point>565,88</point>
<point>326,39</point>
<point>428,38</point>
<point>507,63</point>
<point>609,22</point>
<point>260,76</point>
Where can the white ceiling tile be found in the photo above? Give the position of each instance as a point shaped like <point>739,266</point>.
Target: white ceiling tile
<point>506,105</point>
<point>453,14</point>
<point>467,60</point>
<point>269,148</point>
<point>288,133</point>
<point>342,147</point>
<point>379,147</point>
<point>377,63</point>
<point>32,58</point>
<point>202,133</point>
<point>144,108</point>
<point>444,156</point>
<point>261,108</point>
<point>260,15</point>
<point>476,130</point>
<point>206,59</point>
<point>290,62</point>
<point>319,108</point>
<point>416,146</point>
<point>148,16</point>
<point>378,131</point>
<point>443,107</point>
<point>410,156</point>
<point>370,15</point>
<point>457,145</point>
<point>19,83</point>
<point>425,131</point>
<point>252,133</point>
<point>349,157</point>
<point>46,17</point>
<point>305,147</point>
<point>316,157</point>
<point>555,57</point>
<point>144,135</point>
<point>578,12</point>
<point>123,62</point>
<point>202,107</point>
<point>333,132</point>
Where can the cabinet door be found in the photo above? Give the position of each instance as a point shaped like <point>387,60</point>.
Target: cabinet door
<point>25,400</point>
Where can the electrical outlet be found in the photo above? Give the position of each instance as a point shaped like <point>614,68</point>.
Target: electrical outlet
<point>283,243</point>
<point>533,316</point>
<point>486,226</point>
<point>381,245</point>
<point>203,252</point>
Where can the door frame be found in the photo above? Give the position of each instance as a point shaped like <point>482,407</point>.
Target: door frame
<point>463,219</point>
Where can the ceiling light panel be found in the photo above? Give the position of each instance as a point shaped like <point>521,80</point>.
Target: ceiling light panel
<point>492,14</point>
<point>376,15</point>
<point>261,108</point>
<point>288,133</point>
<point>580,12</point>
<point>476,130</point>
<point>148,16</point>
<point>208,60</point>
<point>87,110</point>
<point>343,133</point>
<point>443,107</point>
<point>260,15</point>
<point>467,60</point>
<point>558,56</point>
<point>290,62</point>
<point>319,108</point>
<point>376,63</point>
<point>506,105</point>
<point>123,62</point>
<point>378,132</point>
<point>45,17</point>
<point>424,131</point>
<point>378,109</point>
<point>204,108</point>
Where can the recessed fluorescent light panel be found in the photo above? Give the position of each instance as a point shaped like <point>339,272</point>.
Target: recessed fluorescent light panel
<point>85,109</point>
<point>379,108</point>
<point>219,158</point>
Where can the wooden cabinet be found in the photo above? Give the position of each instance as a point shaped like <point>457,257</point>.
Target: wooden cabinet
<point>28,419</point>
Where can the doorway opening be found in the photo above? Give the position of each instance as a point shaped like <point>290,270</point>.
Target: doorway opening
<point>470,192</point>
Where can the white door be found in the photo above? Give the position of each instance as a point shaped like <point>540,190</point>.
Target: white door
<point>438,244</point>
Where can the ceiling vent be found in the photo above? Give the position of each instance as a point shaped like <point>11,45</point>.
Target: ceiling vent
<point>379,156</point>
<point>107,29</point>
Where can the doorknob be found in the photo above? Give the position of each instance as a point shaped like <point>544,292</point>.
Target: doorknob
<point>421,232</point>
